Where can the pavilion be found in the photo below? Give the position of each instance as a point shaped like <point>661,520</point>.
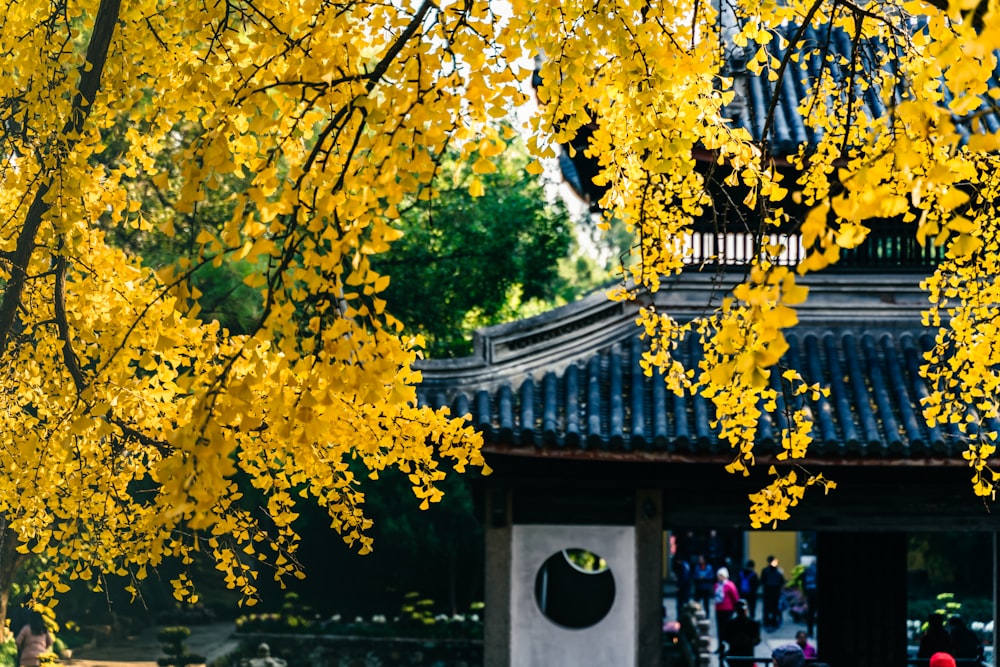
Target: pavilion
<point>590,453</point>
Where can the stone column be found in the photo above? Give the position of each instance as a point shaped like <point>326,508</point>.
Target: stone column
<point>648,569</point>
<point>862,592</point>
<point>496,630</point>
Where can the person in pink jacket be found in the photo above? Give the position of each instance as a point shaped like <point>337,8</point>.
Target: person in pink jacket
<point>808,650</point>
<point>33,640</point>
<point>726,597</point>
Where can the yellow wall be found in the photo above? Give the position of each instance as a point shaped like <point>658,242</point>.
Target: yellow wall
<point>783,544</point>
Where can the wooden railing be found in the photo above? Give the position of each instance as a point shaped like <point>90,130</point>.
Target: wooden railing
<point>889,245</point>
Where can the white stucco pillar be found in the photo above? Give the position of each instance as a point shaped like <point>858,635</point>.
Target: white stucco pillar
<point>538,641</point>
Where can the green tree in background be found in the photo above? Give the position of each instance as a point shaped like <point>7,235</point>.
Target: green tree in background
<point>467,261</point>
<point>223,294</point>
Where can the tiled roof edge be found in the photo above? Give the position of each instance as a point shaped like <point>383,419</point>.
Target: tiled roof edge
<point>508,353</point>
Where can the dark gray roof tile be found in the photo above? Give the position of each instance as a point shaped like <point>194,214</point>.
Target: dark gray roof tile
<point>505,413</point>
<point>779,416</point>
<point>661,435</point>
<point>911,432</point>
<point>572,407</point>
<point>616,403</point>
<point>593,404</point>
<point>682,429</point>
<point>637,409</point>
<point>824,408</point>
<point>550,402</point>
<point>872,411</point>
<point>880,393</point>
<point>527,423</point>
<point>482,419</point>
<point>862,403</point>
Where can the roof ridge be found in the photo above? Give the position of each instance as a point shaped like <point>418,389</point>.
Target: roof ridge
<point>553,340</point>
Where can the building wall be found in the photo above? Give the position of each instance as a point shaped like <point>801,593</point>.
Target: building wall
<point>781,543</point>
<point>535,640</point>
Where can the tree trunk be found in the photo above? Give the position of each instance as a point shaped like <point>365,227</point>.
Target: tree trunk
<point>10,563</point>
<point>4,599</point>
<point>90,71</point>
<point>86,92</point>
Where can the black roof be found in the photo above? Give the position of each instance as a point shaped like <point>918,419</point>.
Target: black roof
<point>569,383</point>
<point>821,51</point>
<point>823,48</point>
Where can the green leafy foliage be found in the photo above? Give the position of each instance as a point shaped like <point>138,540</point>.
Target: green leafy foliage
<point>466,261</point>
<point>8,653</point>
<point>438,551</point>
<point>172,642</point>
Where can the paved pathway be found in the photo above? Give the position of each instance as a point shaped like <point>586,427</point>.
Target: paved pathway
<point>769,640</point>
<point>213,641</point>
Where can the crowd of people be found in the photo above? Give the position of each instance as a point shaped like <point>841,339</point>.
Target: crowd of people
<point>732,601</point>
<point>700,581</point>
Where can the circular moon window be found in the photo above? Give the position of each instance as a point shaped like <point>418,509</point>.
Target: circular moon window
<point>574,588</point>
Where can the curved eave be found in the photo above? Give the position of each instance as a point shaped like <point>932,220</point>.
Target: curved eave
<point>493,449</point>
<point>569,384</point>
<point>508,353</point>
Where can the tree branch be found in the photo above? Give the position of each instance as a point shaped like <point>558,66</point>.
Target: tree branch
<point>86,92</point>
<point>69,356</point>
<point>789,51</point>
<point>162,446</point>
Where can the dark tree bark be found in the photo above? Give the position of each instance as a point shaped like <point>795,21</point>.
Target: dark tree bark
<point>86,92</point>
<point>10,562</point>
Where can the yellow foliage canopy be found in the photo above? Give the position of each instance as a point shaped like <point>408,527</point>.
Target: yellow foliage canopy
<point>897,127</point>
<point>125,417</point>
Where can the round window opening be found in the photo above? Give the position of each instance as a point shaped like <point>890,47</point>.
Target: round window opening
<point>574,588</point>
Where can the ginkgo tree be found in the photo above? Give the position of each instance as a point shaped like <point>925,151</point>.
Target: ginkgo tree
<point>126,416</point>
<point>928,157</point>
<point>901,125</point>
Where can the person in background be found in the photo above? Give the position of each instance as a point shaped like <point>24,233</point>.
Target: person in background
<point>942,659</point>
<point>964,642</point>
<point>682,576</point>
<point>704,583</point>
<point>810,586</point>
<point>789,655</point>
<point>17,618</point>
<point>33,640</point>
<point>747,583</point>
<point>743,635</point>
<point>772,580</point>
<point>808,650</point>
<point>726,597</point>
<point>713,550</point>
<point>935,638</point>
